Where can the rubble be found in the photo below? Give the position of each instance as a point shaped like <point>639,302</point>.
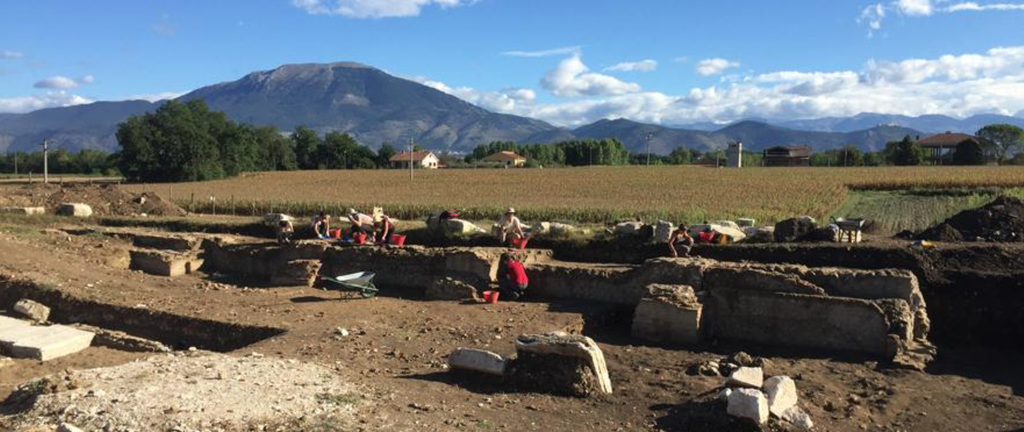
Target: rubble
<point>751,377</point>
<point>477,360</point>
<point>669,313</point>
<point>795,229</point>
<point>451,289</point>
<point>560,363</point>
<point>32,310</point>
<point>748,403</point>
<point>75,210</point>
<point>1002,220</point>
<point>781,393</point>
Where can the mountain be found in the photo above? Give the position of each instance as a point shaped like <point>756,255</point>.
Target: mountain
<point>1020,114</point>
<point>927,124</point>
<point>73,128</point>
<point>754,135</point>
<point>366,102</point>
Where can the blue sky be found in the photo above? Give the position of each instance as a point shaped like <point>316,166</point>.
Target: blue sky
<point>565,61</point>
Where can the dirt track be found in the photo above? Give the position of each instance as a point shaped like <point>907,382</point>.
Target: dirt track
<point>397,346</point>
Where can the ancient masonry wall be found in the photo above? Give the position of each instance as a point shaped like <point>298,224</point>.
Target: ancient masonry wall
<point>877,312</point>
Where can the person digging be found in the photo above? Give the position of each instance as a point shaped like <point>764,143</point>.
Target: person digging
<point>680,242</point>
<point>512,280</point>
<point>510,227</point>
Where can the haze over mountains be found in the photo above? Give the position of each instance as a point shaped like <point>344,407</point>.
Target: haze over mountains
<point>376,107</point>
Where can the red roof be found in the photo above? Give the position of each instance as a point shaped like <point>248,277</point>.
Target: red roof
<point>945,140</point>
<point>503,156</point>
<point>416,157</point>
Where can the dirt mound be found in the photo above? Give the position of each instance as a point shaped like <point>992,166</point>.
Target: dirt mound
<point>105,200</point>
<point>191,391</point>
<point>1001,220</point>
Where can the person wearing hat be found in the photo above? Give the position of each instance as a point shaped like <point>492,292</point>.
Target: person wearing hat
<point>510,227</point>
<point>361,222</point>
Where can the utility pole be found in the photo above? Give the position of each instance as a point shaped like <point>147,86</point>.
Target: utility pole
<point>15,164</point>
<point>411,158</point>
<point>46,167</point>
<point>649,137</point>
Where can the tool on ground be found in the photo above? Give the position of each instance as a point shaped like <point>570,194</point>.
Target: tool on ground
<point>361,282</point>
<point>849,228</point>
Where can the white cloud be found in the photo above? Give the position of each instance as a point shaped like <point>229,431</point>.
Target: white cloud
<point>715,66</point>
<point>874,15</point>
<point>373,8</point>
<point>504,101</point>
<point>972,6</point>
<point>154,97</point>
<point>57,83</point>
<point>572,78</point>
<point>11,55</point>
<point>915,7</point>
<point>26,104</point>
<point>544,53</point>
<point>956,85</point>
<point>640,66</point>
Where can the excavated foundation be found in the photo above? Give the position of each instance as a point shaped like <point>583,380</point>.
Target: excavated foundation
<point>877,312</point>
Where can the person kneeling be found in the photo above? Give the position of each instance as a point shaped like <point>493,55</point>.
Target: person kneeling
<point>512,280</point>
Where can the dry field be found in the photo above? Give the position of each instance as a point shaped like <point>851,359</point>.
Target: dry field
<point>591,194</point>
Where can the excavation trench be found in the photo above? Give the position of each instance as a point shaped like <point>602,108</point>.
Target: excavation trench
<point>175,331</point>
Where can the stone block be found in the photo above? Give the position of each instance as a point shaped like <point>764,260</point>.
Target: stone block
<point>756,278</point>
<point>560,348</point>
<point>628,228</point>
<point>797,320</point>
<point>798,418</point>
<point>8,322</point>
<point>477,360</point>
<point>451,289</point>
<point>750,377</point>
<point>32,310</point>
<point>781,394</point>
<point>668,314</point>
<point>791,230</point>
<point>169,242</point>
<point>663,231</point>
<point>58,341</point>
<point>748,403</point>
<point>75,210</point>
<point>164,263</point>
<point>29,211</point>
<point>295,273</point>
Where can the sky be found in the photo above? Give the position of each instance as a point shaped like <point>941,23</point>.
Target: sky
<point>568,62</point>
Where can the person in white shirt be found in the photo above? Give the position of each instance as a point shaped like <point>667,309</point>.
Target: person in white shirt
<point>361,222</point>
<point>510,227</point>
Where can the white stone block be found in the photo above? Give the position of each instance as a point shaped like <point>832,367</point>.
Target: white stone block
<point>477,360</point>
<point>32,310</point>
<point>781,393</point>
<point>798,418</point>
<point>751,377</point>
<point>75,210</point>
<point>59,342</point>
<point>748,403</point>
<point>8,322</point>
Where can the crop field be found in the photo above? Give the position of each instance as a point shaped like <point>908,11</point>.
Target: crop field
<point>591,194</point>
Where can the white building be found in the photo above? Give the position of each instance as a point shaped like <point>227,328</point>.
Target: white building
<point>734,155</point>
<point>421,159</point>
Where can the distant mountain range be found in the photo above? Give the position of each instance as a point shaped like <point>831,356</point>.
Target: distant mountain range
<point>376,107</point>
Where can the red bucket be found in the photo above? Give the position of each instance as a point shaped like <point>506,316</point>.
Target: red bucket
<point>359,238</point>
<point>397,240</point>
<point>491,297</point>
<point>519,243</point>
<point>335,233</point>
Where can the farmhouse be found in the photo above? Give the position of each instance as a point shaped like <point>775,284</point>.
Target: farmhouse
<point>942,145</point>
<point>506,158</point>
<point>421,159</point>
<point>787,156</point>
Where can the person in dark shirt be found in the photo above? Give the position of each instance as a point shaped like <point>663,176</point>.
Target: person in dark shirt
<point>680,242</point>
<point>512,280</point>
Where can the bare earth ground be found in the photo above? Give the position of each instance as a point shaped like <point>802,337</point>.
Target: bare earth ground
<point>398,343</point>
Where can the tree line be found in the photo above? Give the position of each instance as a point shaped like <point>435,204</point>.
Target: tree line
<point>566,153</point>
<point>60,161</point>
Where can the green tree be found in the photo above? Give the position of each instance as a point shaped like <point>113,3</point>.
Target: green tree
<point>679,156</point>
<point>969,152</point>
<point>177,142</point>
<point>907,153</point>
<point>275,151</point>
<point>341,151</point>
<point>849,156</point>
<point>384,155</point>
<point>307,147</point>
<point>1005,137</point>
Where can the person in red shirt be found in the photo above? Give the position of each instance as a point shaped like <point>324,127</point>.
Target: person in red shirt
<point>512,280</point>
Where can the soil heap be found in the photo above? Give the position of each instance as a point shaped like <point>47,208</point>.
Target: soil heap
<point>105,200</point>
<point>1001,220</point>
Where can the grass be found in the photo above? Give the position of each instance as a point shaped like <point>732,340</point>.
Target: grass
<point>889,212</point>
<point>340,399</point>
<point>587,195</point>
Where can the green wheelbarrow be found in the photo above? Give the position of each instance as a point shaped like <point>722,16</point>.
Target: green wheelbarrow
<point>361,282</point>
